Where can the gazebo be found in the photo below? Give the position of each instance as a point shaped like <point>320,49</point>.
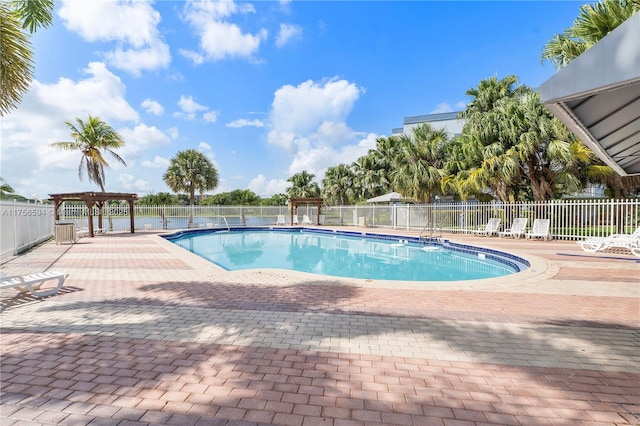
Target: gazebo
<point>94,199</point>
<point>295,202</point>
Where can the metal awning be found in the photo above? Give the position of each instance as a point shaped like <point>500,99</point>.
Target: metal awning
<point>597,96</point>
<point>391,197</point>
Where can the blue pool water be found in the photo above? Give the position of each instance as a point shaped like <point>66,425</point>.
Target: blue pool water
<point>346,255</point>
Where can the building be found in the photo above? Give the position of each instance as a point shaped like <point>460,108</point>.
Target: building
<point>447,120</point>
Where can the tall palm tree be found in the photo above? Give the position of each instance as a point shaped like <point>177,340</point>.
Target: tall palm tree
<point>16,56</point>
<point>418,166</point>
<point>593,23</point>
<point>337,185</point>
<point>482,162</point>
<point>92,138</point>
<point>367,178</point>
<point>191,171</point>
<point>303,186</point>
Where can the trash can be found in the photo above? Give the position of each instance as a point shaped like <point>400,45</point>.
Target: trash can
<point>65,232</point>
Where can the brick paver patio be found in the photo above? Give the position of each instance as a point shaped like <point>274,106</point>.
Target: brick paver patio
<point>146,333</point>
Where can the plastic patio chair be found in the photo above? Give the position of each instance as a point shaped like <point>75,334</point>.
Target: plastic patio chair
<point>517,230</point>
<point>540,229</point>
<point>492,227</point>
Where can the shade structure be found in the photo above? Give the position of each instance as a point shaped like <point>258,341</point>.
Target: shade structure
<point>391,197</point>
<point>94,199</point>
<point>597,96</point>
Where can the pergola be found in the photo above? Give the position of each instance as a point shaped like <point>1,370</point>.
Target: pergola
<point>94,199</point>
<point>295,202</point>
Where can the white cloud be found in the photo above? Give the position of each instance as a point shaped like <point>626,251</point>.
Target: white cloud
<point>203,146</point>
<point>219,38</point>
<point>188,108</point>
<point>131,183</point>
<point>188,105</point>
<point>316,160</point>
<point>194,57</point>
<point>441,108</point>
<point>243,122</point>
<point>211,116</point>
<point>287,33</point>
<point>40,121</point>
<point>152,107</point>
<point>133,61</point>
<point>334,132</point>
<point>142,138</point>
<point>157,163</point>
<point>461,106</point>
<point>133,25</point>
<point>101,94</point>
<point>310,122</point>
<point>302,109</point>
<point>266,188</point>
<point>445,107</point>
<point>173,133</point>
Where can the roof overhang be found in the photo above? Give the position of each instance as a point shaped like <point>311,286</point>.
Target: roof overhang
<point>597,96</point>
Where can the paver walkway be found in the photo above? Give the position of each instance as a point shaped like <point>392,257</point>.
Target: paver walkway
<point>146,333</point>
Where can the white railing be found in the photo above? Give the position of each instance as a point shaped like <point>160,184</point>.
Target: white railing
<point>23,225</point>
<point>570,219</point>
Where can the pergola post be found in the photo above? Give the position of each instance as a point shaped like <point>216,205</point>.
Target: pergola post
<point>89,204</point>
<point>131,218</point>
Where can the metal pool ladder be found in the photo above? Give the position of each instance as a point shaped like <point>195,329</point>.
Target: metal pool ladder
<point>435,228</point>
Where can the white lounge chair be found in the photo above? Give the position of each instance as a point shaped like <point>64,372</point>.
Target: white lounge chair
<point>280,220</point>
<point>33,283</point>
<point>295,219</point>
<point>630,242</point>
<point>492,227</point>
<point>517,230</point>
<point>306,220</point>
<point>540,229</point>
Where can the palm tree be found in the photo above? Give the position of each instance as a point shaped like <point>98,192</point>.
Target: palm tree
<point>539,148</point>
<point>593,23</point>
<point>419,163</point>
<point>92,138</point>
<point>365,177</point>
<point>337,185</point>
<point>303,186</point>
<point>482,162</point>
<point>191,171</point>
<point>16,55</point>
<point>5,188</point>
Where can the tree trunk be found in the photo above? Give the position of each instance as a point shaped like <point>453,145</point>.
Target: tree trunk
<point>192,203</point>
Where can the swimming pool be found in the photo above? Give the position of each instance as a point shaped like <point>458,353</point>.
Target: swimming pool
<point>347,254</point>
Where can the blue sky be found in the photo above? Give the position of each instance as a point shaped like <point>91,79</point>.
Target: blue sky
<point>265,89</point>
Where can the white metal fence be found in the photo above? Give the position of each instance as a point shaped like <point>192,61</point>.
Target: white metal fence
<point>24,225</point>
<point>570,219</point>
